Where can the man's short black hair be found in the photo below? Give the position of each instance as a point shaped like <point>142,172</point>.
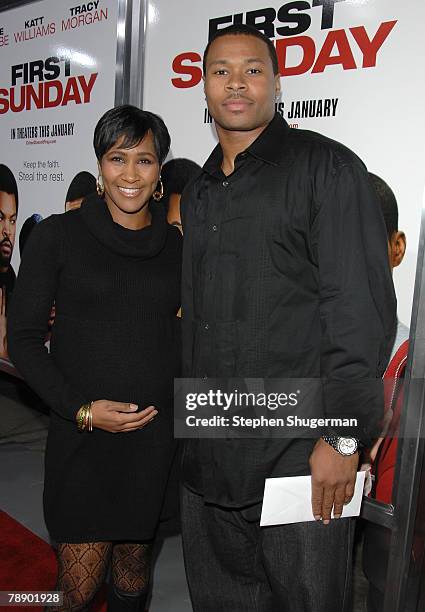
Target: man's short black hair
<point>8,183</point>
<point>81,185</point>
<point>176,174</point>
<point>130,124</point>
<point>388,204</point>
<point>247,30</point>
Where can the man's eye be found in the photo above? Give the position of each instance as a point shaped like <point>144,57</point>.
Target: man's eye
<point>221,71</point>
<point>254,71</point>
<point>145,161</point>
<point>13,221</point>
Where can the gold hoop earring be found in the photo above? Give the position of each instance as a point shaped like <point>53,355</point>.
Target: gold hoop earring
<point>158,193</point>
<point>100,187</point>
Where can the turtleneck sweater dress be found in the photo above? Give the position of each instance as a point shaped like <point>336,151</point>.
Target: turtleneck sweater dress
<point>115,337</point>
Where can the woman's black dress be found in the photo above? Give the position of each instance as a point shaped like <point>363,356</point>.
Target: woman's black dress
<point>115,337</point>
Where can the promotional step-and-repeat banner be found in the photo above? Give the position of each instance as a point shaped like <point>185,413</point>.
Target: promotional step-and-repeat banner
<point>350,69</point>
<point>57,77</point>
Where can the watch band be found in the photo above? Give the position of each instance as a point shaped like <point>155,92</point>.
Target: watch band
<point>344,445</point>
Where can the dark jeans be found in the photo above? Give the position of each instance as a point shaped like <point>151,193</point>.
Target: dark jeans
<point>233,565</point>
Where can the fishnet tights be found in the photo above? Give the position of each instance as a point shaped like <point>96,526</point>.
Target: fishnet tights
<point>82,569</point>
<point>80,573</point>
<point>131,566</point>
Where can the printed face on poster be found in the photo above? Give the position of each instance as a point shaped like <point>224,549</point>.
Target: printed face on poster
<point>348,70</point>
<point>57,77</point>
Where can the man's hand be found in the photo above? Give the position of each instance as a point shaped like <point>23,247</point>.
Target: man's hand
<point>333,477</point>
<point>120,417</point>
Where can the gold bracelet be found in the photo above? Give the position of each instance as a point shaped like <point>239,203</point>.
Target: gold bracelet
<point>80,418</point>
<point>85,418</point>
<point>90,417</point>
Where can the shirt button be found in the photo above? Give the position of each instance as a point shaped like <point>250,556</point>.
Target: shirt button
<point>225,183</point>
<point>214,228</point>
<point>206,326</point>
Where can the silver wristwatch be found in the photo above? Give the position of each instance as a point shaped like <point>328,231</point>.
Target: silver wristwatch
<point>344,446</point>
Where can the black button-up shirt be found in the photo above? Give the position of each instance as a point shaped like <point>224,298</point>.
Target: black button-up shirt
<point>285,275</point>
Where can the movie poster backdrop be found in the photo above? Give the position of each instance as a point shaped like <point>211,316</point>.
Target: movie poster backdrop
<point>350,69</point>
<point>57,77</point>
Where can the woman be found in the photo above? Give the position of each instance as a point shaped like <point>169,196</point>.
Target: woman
<point>112,268</point>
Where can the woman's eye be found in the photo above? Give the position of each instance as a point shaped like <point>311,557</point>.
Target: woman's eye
<point>145,161</point>
<point>116,158</point>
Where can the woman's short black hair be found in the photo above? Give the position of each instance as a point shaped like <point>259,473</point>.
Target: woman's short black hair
<point>8,183</point>
<point>130,124</point>
<point>247,30</point>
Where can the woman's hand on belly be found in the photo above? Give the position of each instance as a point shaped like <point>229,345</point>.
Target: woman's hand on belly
<point>117,417</point>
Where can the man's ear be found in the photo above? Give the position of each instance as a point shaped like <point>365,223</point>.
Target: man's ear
<point>397,248</point>
<point>278,90</point>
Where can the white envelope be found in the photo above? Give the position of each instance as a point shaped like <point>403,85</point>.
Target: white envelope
<point>288,500</point>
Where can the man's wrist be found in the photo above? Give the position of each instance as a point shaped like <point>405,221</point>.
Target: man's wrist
<point>344,445</point>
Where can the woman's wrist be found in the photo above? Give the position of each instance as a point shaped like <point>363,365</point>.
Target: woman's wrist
<point>84,417</point>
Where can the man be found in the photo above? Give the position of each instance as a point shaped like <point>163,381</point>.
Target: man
<point>176,174</point>
<point>383,455</point>
<point>8,214</point>
<point>285,275</point>
<point>81,185</point>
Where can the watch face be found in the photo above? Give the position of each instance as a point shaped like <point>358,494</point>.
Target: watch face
<point>347,446</point>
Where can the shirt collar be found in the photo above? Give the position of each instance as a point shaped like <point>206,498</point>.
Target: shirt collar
<point>267,147</point>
